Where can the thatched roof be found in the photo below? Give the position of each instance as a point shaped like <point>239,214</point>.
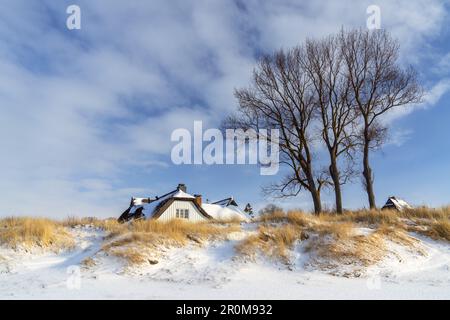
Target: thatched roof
<point>396,204</point>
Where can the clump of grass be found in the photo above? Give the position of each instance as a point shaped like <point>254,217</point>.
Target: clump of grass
<point>338,230</point>
<point>442,213</point>
<point>362,250</point>
<point>88,262</point>
<point>29,232</point>
<point>227,221</point>
<point>334,240</point>
<point>369,217</point>
<point>364,217</point>
<point>104,224</point>
<point>333,248</point>
<point>130,254</point>
<point>397,235</point>
<point>78,221</point>
<point>127,241</point>
<point>302,219</point>
<point>273,242</point>
<point>276,216</point>
<point>439,230</point>
<point>331,244</point>
<point>179,230</point>
<point>431,222</point>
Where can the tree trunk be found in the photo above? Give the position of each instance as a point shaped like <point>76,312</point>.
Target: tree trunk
<point>367,173</point>
<point>315,194</point>
<point>334,172</point>
<point>316,200</point>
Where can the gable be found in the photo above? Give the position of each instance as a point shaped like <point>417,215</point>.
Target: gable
<point>169,213</point>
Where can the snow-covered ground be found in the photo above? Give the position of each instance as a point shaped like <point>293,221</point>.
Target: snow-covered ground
<point>214,272</point>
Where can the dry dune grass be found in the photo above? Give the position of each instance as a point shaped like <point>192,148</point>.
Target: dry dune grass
<point>133,255</point>
<point>396,235</point>
<point>228,221</point>
<point>298,218</point>
<point>330,243</point>
<point>104,224</point>
<point>339,230</point>
<point>438,230</point>
<point>277,216</point>
<point>367,217</point>
<point>337,250</point>
<point>135,241</point>
<point>273,242</point>
<point>442,213</point>
<point>29,232</point>
<point>333,240</point>
<point>88,262</point>
<point>431,222</point>
<point>441,229</point>
<point>177,229</point>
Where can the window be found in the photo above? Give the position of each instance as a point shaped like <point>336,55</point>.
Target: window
<point>182,213</point>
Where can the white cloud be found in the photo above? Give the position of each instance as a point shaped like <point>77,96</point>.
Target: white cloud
<point>79,109</point>
<point>399,136</point>
<point>434,95</point>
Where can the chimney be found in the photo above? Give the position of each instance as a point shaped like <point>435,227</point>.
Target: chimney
<point>181,187</point>
<point>198,199</point>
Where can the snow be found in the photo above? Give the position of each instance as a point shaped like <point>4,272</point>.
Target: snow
<point>213,271</point>
<point>149,208</point>
<point>182,194</point>
<point>224,213</point>
<point>139,201</point>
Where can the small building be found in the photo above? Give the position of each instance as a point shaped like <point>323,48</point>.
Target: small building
<point>395,203</point>
<point>178,204</point>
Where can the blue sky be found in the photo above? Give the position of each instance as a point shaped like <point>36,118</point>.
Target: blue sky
<point>86,115</point>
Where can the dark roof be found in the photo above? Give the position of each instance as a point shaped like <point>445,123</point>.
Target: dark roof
<point>396,203</point>
<point>226,202</point>
<point>162,203</point>
<point>159,210</point>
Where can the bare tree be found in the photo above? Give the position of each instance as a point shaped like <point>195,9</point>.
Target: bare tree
<point>341,85</point>
<point>280,97</point>
<point>378,84</point>
<point>323,64</point>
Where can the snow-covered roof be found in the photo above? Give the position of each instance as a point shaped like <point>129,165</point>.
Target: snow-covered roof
<point>226,202</point>
<point>141,201</point>
<point>397,203</point>
<point>226,209</point>
<point>149,204</point>
<point>219,212</point>
<point>182,194</point>
<point>148,208</point>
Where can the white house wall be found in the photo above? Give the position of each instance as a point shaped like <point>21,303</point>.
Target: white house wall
<point>170,213</point>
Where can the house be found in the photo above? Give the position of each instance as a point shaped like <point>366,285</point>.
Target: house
<point>178,204</point>
<point>395,203</point>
